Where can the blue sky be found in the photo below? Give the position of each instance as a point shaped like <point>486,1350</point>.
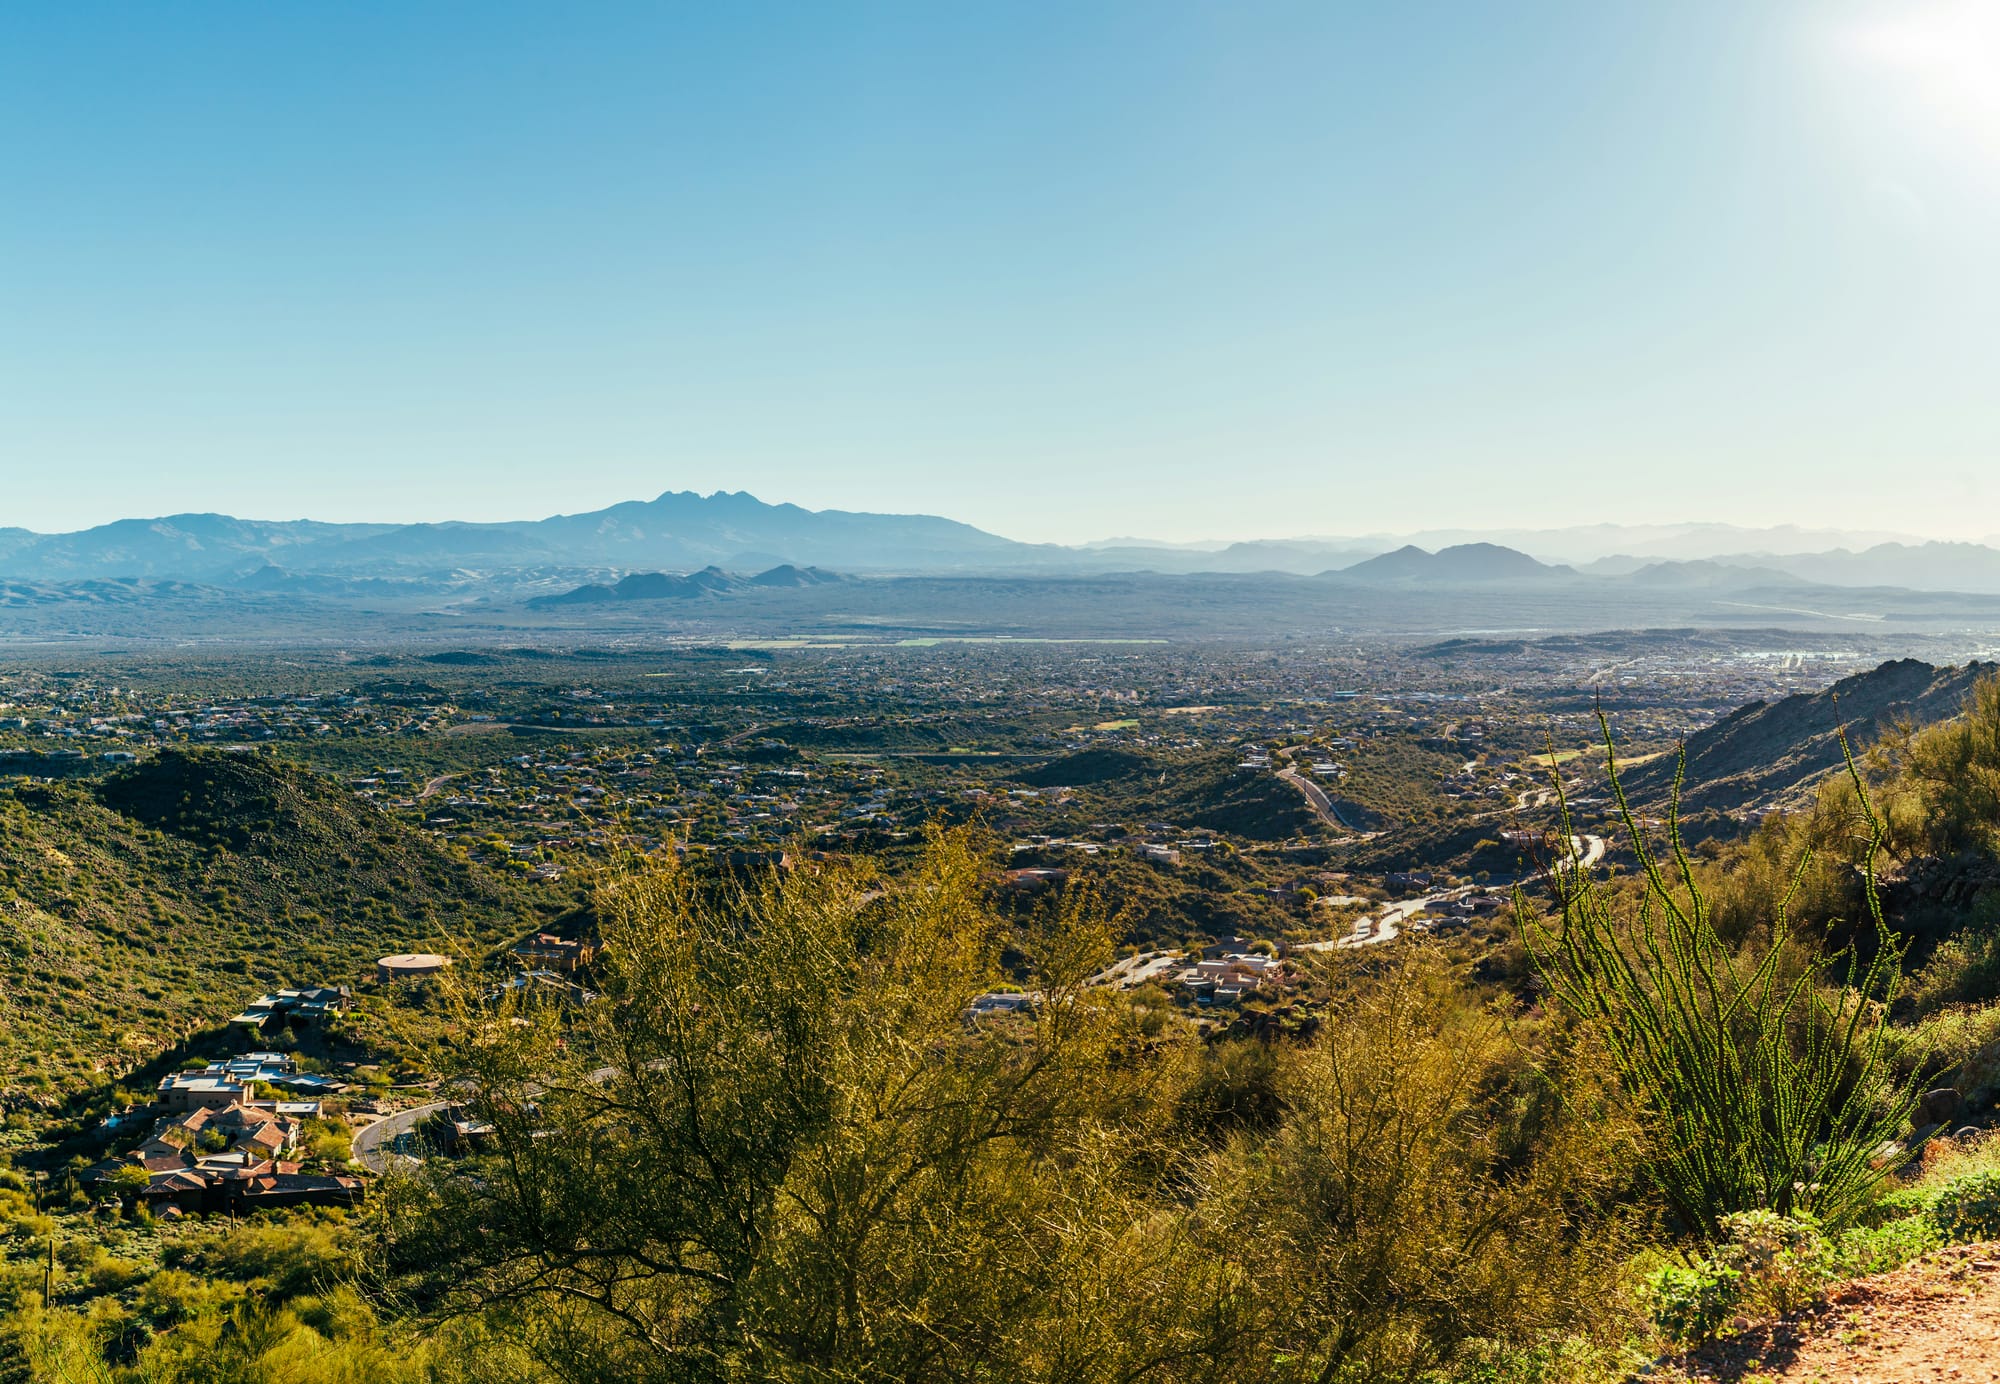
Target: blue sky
<point>1062,270</point>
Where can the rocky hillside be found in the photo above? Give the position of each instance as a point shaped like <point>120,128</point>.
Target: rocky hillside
<point>1772,753</point>
<point>156,901</point>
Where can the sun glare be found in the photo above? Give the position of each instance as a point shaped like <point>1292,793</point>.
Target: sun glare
<point>1944,57</point>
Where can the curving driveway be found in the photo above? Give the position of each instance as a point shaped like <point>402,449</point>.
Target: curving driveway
<point>1316,797</point>
<point>371,1144</point>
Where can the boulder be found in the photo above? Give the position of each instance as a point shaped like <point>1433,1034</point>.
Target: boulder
<point>1979,1078</point>
<point>1936,1107</point>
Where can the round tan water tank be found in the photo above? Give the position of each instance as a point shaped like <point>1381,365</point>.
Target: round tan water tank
<point>407,964</point>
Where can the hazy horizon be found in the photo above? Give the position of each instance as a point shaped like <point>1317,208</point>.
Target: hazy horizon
<point>1775,539</point>
<point>1061,272</point>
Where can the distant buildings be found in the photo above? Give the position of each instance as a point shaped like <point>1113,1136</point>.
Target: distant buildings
<point>1227,979</point>
<point>217,1149</point>
<point>547,951</point>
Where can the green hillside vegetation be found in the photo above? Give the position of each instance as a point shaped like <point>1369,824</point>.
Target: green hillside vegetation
<point>1390,781</point>
<point>1214,793</point>
<point>1396,778</point>
<point>155,901</point>
<point>1210,894</point>
<point>1090,767</point>
<point>780,1144</point>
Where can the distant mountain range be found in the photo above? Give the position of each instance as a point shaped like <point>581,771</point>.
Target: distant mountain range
<point>679,531</point>
<point>685,562</point>
<point>682,532</point>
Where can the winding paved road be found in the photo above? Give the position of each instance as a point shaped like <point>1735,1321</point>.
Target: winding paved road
<point>370,1143</point>
<point>1387,926</point>
<point>1316,797</point>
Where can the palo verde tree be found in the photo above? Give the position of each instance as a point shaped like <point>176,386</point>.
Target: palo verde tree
<point>780,1146</point>
<point>1766,1075</point>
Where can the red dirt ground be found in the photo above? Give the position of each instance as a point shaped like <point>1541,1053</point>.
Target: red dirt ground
<point>1933,1322</point>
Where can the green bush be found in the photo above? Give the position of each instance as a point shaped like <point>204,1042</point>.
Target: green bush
<point>1691,1304</point>
<point>1767,1265</point>
<point>1969,1208</point>
<point>1784,1260</point>
<point>1899,1205</point>
<point>1878,1249</point>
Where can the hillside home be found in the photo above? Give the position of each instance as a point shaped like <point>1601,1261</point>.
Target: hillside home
<point>311,1005</point>
<point>546,951</point>
<point>1000,1002</point>
<point>242,1185</point>
<point>234,1082</point>
<point>185,1091</point>
<point>1227,979</point>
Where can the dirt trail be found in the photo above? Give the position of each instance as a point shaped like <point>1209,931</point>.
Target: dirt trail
<point>1935,1322</point>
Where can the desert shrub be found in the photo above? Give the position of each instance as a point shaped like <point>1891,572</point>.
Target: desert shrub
<point>1782,1261</point>
<point>1898,1204</point>
<point>129,1178</point>
<point>113,1275</point>
<point>1965,968</point>
<point>288,1257</point>
<point>1943,795</point>
<point>172,1296</point>
<point>1799,863</point>
<point>1444,1174</point>
<point>1968,1208</point>
<point>777,1149</point>
<point>1691,1303</point>
<point>1236,1087</point>
<point>1937,1046</point>
<point>1559,1360</point>
<point>1767,1265</point>
<point>329,1140</point>
<point>1872,1249</point>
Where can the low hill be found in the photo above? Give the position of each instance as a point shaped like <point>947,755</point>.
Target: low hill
<point>1770,753</point>
<point>788,575</point>
<point>647,586</point>
<point>671,586</point>
<point>1088,767</point>
<point>158,900</point>
<point>1213,792</point>
<point>1463,563</point>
